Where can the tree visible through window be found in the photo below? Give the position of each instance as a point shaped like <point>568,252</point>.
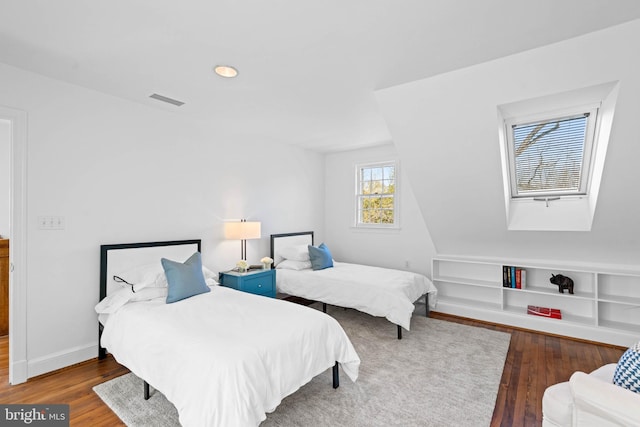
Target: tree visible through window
<point>551,157</point>
<point>376,194</point>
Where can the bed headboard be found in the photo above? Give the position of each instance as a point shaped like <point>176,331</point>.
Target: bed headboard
<point>280,241</point>
<point>121,257</point>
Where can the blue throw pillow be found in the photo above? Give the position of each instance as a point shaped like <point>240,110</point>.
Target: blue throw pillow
<point>185,279</point>
<point>627,374</point>
<point>320,257</point>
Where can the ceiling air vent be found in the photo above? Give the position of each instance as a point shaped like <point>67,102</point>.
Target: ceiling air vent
<point>166,99</point>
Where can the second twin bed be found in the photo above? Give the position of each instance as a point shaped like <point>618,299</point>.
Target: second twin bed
<point>377,291</point>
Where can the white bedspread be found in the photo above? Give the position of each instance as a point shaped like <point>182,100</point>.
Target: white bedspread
<point>377,291</point>
<point>225,358</point>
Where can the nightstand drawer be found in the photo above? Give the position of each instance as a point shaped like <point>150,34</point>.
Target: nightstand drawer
<point>259,282</point>
<point>262,285</point>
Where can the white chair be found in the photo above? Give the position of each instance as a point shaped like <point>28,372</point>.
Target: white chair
<point>590,400</point>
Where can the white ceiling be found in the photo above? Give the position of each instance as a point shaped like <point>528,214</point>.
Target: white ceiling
<point>307,69</point>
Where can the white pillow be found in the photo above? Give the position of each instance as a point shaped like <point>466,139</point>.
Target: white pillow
<point>289,264</point>
<point>152,276</point>
<point>148,275</point>
<point>122,296</point>
<point>295,253</point>
<point>209,276</point>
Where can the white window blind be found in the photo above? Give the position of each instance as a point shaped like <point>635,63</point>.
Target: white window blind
<point>551,157</point>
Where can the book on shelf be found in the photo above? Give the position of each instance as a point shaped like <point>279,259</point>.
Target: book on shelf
<point>521,278</point>
<point>506,273</point>
<point>553,313</point>
<point>513,277</point>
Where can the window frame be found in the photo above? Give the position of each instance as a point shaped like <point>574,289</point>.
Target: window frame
<point>592,110</point>
<point>560,213</point>
<point>358,195</point>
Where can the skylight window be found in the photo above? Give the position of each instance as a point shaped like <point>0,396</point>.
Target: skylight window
<point>553,150</point>
<point>551,157</point>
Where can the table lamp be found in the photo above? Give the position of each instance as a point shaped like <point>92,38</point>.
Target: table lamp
<point>242,230</point>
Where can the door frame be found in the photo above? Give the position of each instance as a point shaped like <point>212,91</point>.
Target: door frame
<point>18,250</point>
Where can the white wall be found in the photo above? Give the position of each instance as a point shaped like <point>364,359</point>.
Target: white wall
<point>446,131</point>
<point>386,248</point>
<point>123,172</point>
<point>5,177</point>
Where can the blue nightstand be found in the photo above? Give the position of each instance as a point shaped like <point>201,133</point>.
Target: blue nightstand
<point>259,282</point>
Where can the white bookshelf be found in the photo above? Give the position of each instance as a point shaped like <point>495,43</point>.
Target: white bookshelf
<point>605,305</point>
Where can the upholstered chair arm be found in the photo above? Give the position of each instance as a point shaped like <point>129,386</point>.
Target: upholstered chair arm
<point>599,403</point>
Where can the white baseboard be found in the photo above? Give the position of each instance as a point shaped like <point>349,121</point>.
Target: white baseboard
<point>61,359</point>
<point>18,372</point>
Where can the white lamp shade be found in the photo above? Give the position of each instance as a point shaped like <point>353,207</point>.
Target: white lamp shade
<point>242,230</point>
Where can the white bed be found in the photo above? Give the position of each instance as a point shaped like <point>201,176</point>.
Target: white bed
<point>223,357</point>
<point>376,291</point>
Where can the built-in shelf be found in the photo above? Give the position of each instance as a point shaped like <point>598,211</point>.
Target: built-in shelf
<point>621,326</point>
<point>620,299</point>
<point>464,281</point>
<point>605,305</point>
<point>473,303</point>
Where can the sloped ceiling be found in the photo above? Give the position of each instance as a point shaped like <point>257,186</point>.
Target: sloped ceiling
<point>446,131</point>
<point>308,70</point>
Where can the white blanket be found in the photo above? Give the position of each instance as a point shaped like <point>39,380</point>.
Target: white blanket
<point>225,358</point>
<point>377,291</point>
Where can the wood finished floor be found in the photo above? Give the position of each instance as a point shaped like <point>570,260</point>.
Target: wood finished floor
<point>534,362</point>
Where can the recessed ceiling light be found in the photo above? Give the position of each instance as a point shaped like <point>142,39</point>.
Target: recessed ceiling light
<point>225,71</point>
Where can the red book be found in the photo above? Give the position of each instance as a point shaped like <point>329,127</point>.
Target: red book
<point>518,278</point>
<point>553,313</point>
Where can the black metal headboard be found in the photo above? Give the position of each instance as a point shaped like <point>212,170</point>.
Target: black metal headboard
<point>279,241</point>
<point>132,255</point>
<point>106,249</point>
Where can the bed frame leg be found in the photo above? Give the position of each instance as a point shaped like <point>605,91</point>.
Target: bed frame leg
<point>102,352</point>
<point>426,304</point>
<point>146,391</point>
<point>399,332</point>
<point>336,376</point>
<point>324,307</point>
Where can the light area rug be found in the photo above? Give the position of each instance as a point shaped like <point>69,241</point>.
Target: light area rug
<point>440,374</point>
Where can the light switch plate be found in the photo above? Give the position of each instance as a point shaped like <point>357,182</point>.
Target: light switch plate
<point>51,222</point>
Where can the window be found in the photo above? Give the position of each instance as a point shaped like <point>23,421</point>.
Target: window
<point>553,150</point>
<point>550,156</point>
<point>376,195</point>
